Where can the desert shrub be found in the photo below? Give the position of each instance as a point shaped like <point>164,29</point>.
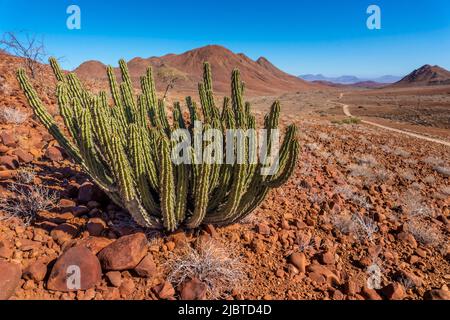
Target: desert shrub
<point>12,116</point>
<point>29,199</point>
<point>430,179</point>
<point>367,159</point>
<point>26,175</point>
<point>353,196</point>
<point>126,149</point>
<point>324,137</point>
<point>401,153</point>
<point>350,120</point>
<point>425,233</point>
<point>432,161</point>
<point>211,263</point>
<point>445,171</point>
<point>446,190</point>
<point>361,227</point>
<point>406,174</point>
<point>414,206</point>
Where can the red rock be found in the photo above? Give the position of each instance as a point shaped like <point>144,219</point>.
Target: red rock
<point>86,192</point>
<point>125,253</point>
<point>370,294</point>
<point>24,156</point>
<point>170,245</point>
<point>407,238</point>
<point>111,294</point>
<point>147,267</point>
<point>298,259</point>
<point>7,174</point>
<point>64,232</point>
<point>209,228</point>
<point>394,291</point>
<point>263,229</point>
<point>9,162</point>
<point>193,290</point>
<point>35,271</point>
<point>330,276</point>
<point>165,290</point>
<point>95,226</point>
<point>66,205</point>
<point>327,258</point>
<point>437,294</point>
<point>351,288</point>
<point>63,270</point>
<point>9,279</point>
<point>9,139</point>
<point>6,250</point>
<point>95,244</point>
<point>179,238</point>
<point>338,295</point>
<point>54,154</point>
<point>79,211</point>
<point>127,287</point>
<point>28,245</point>
<point>115,278</point>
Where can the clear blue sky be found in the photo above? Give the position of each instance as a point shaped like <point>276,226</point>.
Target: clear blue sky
<point>301,36</point>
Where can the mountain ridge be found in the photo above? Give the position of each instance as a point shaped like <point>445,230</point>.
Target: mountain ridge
<point>260,76</point>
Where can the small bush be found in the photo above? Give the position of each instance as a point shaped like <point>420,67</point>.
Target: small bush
<point>361,227</point>
<point>351,120</point>
<point>425,233</point>
<point>210,263</point>
<point>401,153</point>
<point>445,171</point>
<point>28,201</point>
<point>12,116</point>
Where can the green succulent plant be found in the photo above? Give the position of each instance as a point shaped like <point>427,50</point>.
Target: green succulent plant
<point>125,147</point>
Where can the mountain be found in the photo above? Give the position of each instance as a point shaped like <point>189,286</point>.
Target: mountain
<point>260,76</point>
<point>348,79</point>
<point>361,84</point>
<point>426,75</point>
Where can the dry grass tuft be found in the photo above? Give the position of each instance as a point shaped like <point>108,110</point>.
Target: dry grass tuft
<point>12,116</point>
<point>425,233</point>
<point>212,264</point>
<point>29,199</point>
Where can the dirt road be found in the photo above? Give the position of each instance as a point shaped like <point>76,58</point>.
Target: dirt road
<point>415,135</point>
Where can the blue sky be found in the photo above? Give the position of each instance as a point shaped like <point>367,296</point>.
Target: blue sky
<point>301,36</point>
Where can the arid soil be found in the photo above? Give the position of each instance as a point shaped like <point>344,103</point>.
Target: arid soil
<point>420,108</point>
<point>365,216</point>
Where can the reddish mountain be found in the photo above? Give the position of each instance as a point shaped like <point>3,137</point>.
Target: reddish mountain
<point>426,75</point>
<point>260,77</point>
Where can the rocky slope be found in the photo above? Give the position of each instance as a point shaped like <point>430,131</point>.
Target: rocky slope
<point>426,75</point>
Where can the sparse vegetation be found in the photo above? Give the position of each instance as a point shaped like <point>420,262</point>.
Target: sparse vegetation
<point>445,171</point>
<point>28,199</point>
<point>350,120</point>
<point>425,233</point>
<point>361,227</point>
<point>212,264</point>
<point>12,116</point>
<point>401,153</point>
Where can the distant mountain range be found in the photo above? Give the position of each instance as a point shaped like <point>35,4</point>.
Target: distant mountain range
<point>348,79</point>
